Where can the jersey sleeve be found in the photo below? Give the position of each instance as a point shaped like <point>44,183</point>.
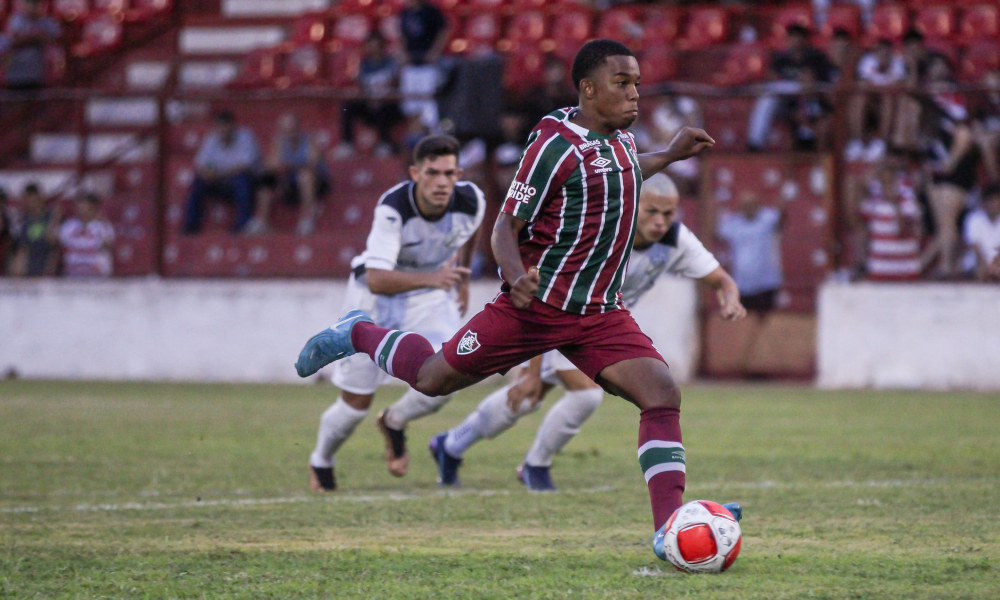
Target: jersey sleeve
<point>546,164</point>
<point>385,239</point>
<point>694,260</point>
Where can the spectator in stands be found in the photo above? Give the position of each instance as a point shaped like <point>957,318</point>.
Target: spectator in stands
<point>905,130</point>
<point>425,31</point>
<point>659,122</point>
<point>294,171</point>
<point>6,232</point>
<point>810,116</point>
<point>377,77</point>
<point>878,72</point>
<point>37,237</point>
<point>753,235</point>
<point>28,34</point>
<point>954,162</point>
<point>986,124</point>
<point>888,231</point>
<point>787,69</point>
<point>982,233</point>
<point>225,167</point>
<point>86,240</point>
<point>843,55</point>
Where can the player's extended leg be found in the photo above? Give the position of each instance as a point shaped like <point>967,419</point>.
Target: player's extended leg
<point>335,426</point>
<point>647,383</point>
<point>561,423</point>
<point>492,417</point>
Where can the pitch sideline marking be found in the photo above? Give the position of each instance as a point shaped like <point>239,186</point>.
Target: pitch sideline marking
<point>404,497</point>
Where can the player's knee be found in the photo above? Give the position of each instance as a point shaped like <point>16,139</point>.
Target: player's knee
<point>665,394</point>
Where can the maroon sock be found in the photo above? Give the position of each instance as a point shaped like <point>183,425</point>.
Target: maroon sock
<point>661,457</point>
<point>398,353</point>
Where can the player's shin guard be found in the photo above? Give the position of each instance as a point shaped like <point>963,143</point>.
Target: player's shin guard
<point>491,418</point>
<point>413,405</point>
<point>561,423</point>
<point>335,426</point>
<point>661,457</point>
<point>398,353</point>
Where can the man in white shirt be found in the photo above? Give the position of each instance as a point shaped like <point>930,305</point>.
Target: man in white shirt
<point>878,71</point>
<point>413,275</point>
<point>86,239</point>
<point>982,233</point>
<point>225,167</point>
<point>661,245</point>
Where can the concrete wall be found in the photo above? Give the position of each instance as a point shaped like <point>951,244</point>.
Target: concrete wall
<point>199,330</point>
<point>933,336</point>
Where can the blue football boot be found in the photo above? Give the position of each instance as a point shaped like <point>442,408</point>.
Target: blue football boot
<point>447,464</point>
<point>734,508</point>
<point>536,479</point>
<point>333,343</point>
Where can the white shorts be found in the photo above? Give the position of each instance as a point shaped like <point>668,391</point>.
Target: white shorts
<point>432,314</point>
<point>552,362</point>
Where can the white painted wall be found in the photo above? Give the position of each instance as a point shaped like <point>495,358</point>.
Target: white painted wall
<point>928,336</point>
<point>203,330</point>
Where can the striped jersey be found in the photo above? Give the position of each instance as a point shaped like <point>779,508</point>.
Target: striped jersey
<point>579,192</point>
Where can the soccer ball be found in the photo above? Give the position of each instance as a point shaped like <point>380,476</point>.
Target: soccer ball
<point>700,537</point>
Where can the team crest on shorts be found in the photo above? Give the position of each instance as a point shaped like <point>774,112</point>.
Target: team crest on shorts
<point>468,344</point>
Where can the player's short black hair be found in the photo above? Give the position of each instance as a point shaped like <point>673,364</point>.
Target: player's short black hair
<point>912,35</point>
<point>32,189</point>
<point>435,146</point>
<point>991,191</point>
<point>592,55</point>
<point>225,117</point>
<point>798,29</point>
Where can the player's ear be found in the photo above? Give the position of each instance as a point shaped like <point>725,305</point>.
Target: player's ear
<point>414,172</point>
<point>587,88</point>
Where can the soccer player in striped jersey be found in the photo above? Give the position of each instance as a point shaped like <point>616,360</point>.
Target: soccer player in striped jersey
<point>662,245</point>
<point>562,242</point>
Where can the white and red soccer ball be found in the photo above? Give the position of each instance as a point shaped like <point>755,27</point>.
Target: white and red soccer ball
<point>701,537</point>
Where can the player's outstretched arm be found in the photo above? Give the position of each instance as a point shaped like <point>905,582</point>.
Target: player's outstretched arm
<point>688,142</point>
<point>523,284</point>
<point>730,307</point>
<point>385,281</point>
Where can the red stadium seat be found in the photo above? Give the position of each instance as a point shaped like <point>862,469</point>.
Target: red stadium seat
<point>889,21</point>
<point>115,7</point>
<point>259,69</point>
<point>657,64</point>
<point>142,10</point>
<point>303,65</point>
<point>389,28</point>
<point>343,65</point>
<point>492,5</point>
<point>529,4</point>
<point>746,63</point>
<point>351,7</point>
<point>981,21</point>
<point>979,58</point>
<point>622,25</point>
<point>935,22</point>
<point>524,69</point>
<point>526,27</point>
<point>309,28</point>
<point>661,26</point>
<point>706,26</point>
<point>842,15</point>
<point>100,32</point>
<point>70,10</point>
<point>352,30</point>
<point>570,30</point>
<point>786,16</point>
<point>480,32</point>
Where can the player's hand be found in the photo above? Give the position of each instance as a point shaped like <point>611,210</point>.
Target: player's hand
<point>730,308</point>
<point>524,288</point>
<point>449,276</point>
<point>527,389</point>
<point>688,142</point>
<point>463,297</point>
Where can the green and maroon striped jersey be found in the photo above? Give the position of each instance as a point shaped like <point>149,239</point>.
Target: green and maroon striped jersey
<point>578,191</point>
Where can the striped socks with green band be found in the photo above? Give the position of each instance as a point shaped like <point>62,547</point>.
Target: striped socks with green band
<point>398,353</point>
<point>662,460</point>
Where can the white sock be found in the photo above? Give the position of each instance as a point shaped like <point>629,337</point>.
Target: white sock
<point>335,426</point>
<point>562,422</point>
<point>491,418</point>
<point>413,405</point>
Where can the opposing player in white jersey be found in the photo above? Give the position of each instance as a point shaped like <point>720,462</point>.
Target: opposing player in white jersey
<point>662,245</point>
<point>413,275</point>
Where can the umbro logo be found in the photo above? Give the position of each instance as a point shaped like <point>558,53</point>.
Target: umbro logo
<point>468,344</point>
<point>600,162</point>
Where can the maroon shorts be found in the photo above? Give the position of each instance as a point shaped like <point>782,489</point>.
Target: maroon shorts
<point>502,336</point>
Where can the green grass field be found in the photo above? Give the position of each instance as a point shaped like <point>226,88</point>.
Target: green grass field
<point>196,491</point>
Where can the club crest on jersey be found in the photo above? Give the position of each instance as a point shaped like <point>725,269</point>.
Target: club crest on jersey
<point>468,344</point>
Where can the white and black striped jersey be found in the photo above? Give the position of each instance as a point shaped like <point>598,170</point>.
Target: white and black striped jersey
<point>679,252</point>
<point>404,240</point>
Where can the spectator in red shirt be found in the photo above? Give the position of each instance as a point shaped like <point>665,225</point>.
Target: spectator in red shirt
<point>889,229</point>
